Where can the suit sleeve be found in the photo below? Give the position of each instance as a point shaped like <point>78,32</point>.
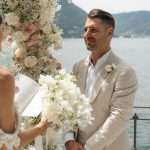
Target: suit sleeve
<point>121,105</point>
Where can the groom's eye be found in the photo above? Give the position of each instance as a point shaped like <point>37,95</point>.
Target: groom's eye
<point>91,30</point>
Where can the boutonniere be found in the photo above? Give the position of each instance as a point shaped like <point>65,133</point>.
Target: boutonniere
<point>110,67</point>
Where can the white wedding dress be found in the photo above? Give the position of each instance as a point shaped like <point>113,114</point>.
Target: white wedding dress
<point>10,140</point>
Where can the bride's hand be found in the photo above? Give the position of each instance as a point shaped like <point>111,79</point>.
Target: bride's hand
<point>43,125</point>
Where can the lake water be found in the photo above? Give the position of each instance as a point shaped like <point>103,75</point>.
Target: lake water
<point>137,53</point>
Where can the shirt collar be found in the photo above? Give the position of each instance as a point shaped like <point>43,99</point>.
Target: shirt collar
<point>100,61</point>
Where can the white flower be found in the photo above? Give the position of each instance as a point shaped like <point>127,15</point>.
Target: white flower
<point>12,3</point>
<point>110,67</point>
<point>51,115</point>
<point>30,61</point>
<point>31,23</point>
<point>21,36</point>
<point>48,80</point>
<point>59,42</point>
<point>12,19</point>
<point>47,28</point>
<point>19,53</point>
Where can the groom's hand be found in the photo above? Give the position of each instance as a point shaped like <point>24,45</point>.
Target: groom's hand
<point>73,145</point>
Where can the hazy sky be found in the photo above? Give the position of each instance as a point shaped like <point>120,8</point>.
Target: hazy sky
<point>114,6</point>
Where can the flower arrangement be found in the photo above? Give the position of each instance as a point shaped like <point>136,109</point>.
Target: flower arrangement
<point>31,24</point>
<point>64,107</point>
<point>63,104</point>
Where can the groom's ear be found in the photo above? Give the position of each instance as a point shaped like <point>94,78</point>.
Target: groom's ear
<point>110,31</point>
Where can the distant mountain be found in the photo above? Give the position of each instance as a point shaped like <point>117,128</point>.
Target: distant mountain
<point>133,23</point>
<point>71,19</point>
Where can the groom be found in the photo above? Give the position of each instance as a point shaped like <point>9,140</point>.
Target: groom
<point>109,83</point>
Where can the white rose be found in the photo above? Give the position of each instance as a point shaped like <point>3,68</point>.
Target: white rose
<point>108,68</point>
<point>58,44</point>
<point>19,53</point>
<point>12,4</point>
<point>47,28</point>
<point>44,17</point>
<point>11,19</point>
<point>30,61</point>
<point>21,36</point>
<point>51,111</point>
<point>52,13</point>
<point>56,39</point>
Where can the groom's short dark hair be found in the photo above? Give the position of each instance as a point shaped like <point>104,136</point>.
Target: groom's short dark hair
<point>106,17</point>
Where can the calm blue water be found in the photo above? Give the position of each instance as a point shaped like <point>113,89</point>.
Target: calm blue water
<point>137,53</point>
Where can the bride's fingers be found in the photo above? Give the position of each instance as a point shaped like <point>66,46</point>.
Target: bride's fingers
<point>43,125</point>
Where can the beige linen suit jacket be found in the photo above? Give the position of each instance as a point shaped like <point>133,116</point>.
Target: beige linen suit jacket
<point>112,102</point>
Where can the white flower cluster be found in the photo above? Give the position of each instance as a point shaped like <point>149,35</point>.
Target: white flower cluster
<point>63,104</point>
<point>31,24</point>
<point>110,67</point>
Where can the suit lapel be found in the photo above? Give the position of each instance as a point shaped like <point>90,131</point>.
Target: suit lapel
<point>102,76</point>
<point>83,76</point>
<point>98,83</point>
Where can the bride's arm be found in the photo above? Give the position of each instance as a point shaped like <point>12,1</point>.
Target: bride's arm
<point>28,135</point>
<point>7,108</point>
<point>8,117</point>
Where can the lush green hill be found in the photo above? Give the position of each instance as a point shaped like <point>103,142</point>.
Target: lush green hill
<point>133,23</point>
<point>71,19</point>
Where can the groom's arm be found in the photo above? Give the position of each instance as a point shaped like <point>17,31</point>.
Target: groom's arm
<point>120,111</point>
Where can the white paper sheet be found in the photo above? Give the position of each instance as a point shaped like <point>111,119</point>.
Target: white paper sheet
<point>28,98</point>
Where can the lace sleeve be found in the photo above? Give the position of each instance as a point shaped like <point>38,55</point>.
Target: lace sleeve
<point>10,140</point>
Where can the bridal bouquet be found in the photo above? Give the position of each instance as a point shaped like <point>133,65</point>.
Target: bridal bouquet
<point>63,104</point>
<point>31,24</point>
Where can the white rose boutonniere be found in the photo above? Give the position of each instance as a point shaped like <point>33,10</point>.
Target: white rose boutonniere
<point>110,67</point>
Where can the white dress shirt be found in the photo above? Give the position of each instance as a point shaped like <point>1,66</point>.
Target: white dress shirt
<point>93,71</point>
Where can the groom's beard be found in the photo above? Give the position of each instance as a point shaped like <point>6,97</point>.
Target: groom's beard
<point>91,45</point>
